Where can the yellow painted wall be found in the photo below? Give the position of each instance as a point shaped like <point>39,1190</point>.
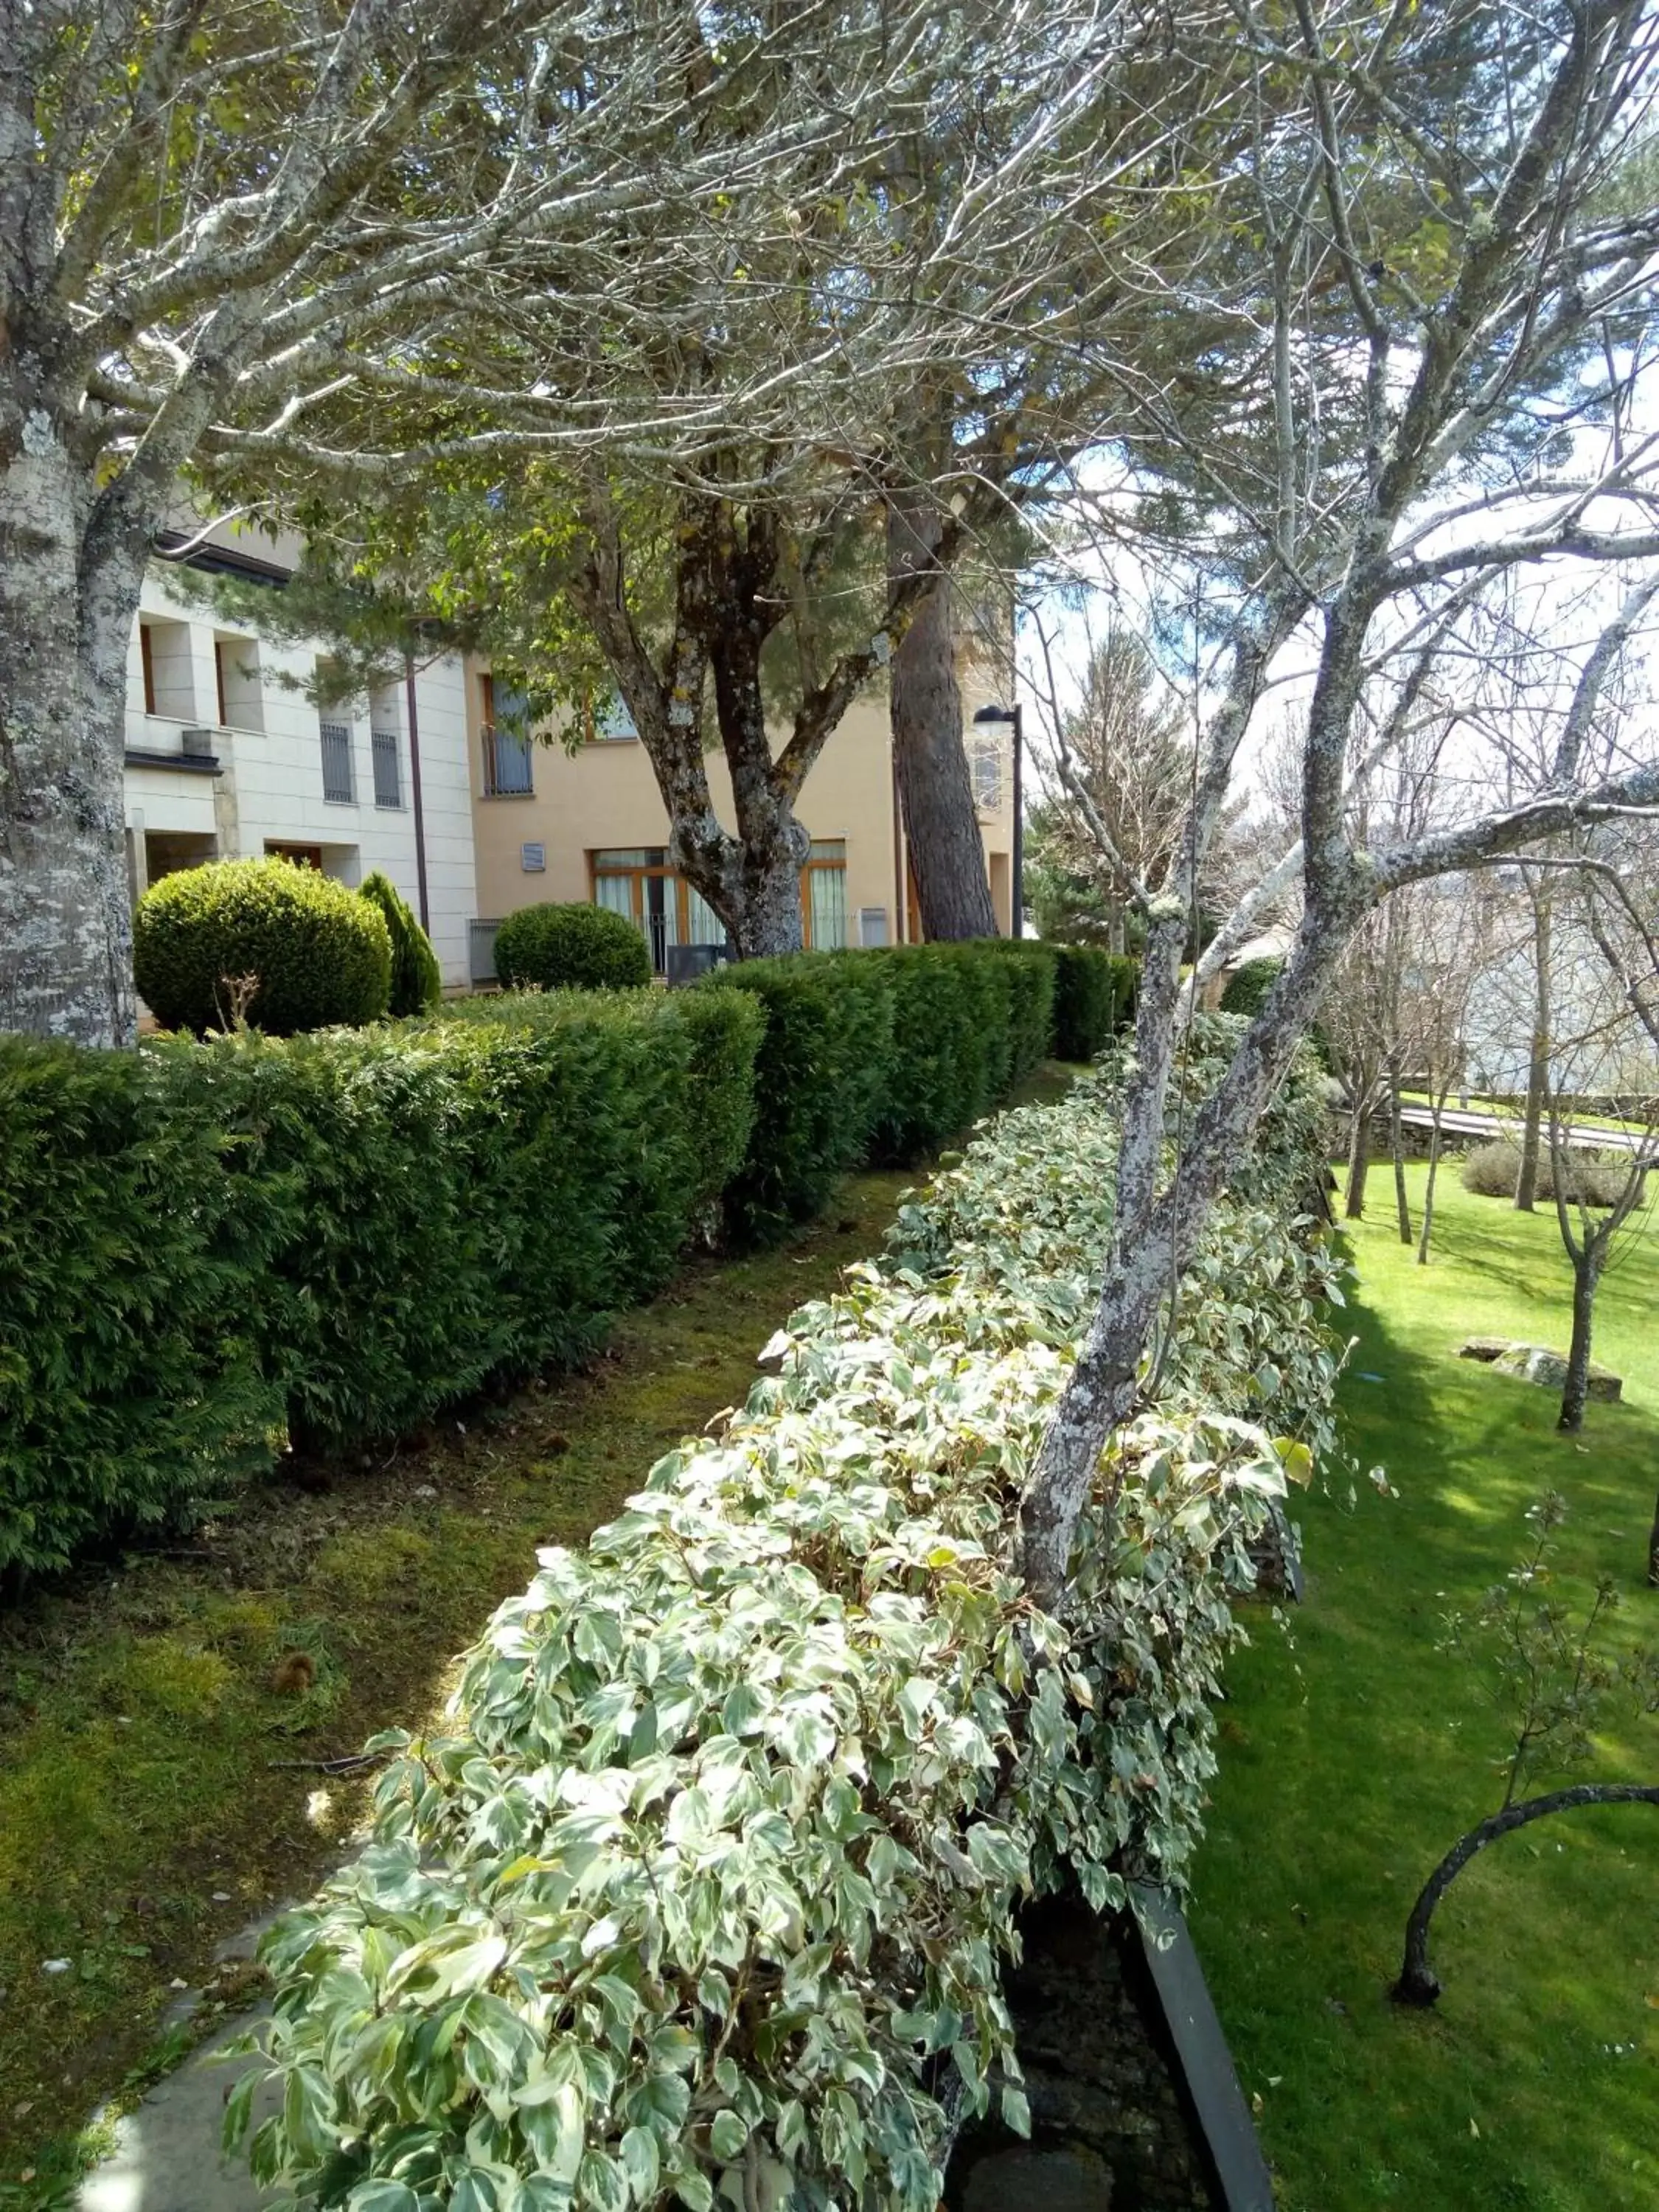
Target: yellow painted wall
<point>603,797</point>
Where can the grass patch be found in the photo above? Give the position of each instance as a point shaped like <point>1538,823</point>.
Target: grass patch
<point>144,1815</point>
<point>1354,1752</point>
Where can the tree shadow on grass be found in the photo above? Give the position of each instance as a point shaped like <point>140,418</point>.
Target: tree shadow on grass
<point>1355,1750</point>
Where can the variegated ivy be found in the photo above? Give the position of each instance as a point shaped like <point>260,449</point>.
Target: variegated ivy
<point>704,1894</point>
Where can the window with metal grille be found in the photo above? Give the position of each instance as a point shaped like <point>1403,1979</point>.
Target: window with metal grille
<point>984,759</point>
<point>507,772</point>
<point>336,763</point>
<point>388,777</point>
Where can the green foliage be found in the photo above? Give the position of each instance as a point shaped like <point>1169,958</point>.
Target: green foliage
<point>129,1387</point>
<point>347,1232</point>
<point>416,978</point>
<point>1492,1170</point>
<point>819,1080</point>
<point>356,1229</point>
<point>711,1876</point>
<point>550,948</point>
<point>880,1056</point>
<point>285,947</point>
<point>1247,986</point>
<point>1094,998</point>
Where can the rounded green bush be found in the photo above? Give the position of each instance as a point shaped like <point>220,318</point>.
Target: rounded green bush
<point>1249,986</point>
<point>287,948</point>
<point>583,948</point>
<point>417,981</point>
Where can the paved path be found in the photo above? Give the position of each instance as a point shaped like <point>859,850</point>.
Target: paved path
<point>1583,1135</point>
<point>166,2156</point>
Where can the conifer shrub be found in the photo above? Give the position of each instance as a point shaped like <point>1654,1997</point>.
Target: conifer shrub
<point>128,1385</point>
<point>207,1248</point>
<point>418,983</point>
<point>1094,999</point>
<point>284,947</point>
<point>584,948</point>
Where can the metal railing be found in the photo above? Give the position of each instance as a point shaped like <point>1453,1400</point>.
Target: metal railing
<point>338,783</point>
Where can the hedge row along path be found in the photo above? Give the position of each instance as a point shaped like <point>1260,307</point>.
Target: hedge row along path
<point>145,1810</point>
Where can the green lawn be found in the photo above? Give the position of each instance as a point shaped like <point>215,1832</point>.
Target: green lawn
<point>1354,1752</point>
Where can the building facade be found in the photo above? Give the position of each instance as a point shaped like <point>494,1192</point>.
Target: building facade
<point>227,757</point>
<point>552,825</point>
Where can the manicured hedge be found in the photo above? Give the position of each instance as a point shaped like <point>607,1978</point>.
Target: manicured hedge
<point>1094,999</point>
<point>1247,986</point>
<point>205,1248</point>
<point>351,1229</point>
<point>819,1080</point>
<point>702,1891</point>
<point>129,1386</point>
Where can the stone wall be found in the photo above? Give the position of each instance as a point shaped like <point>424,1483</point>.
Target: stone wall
<point>1110,2124</point>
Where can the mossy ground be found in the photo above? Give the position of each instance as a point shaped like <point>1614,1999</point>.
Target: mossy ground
<point>1355,1750</point>
<point>150,1800</point>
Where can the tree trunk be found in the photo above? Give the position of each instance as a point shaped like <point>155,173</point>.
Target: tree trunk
<point>1586,1277</point>
<point>66,903</point>
<point>1418,1984</point>
<point>1397,1147</point>
<point>1428,1187</point>
<point>1359,1154</point>
<point>1537,1070</point>
<point>936,791</point>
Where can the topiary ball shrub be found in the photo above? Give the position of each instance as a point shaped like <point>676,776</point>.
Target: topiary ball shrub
<point>284,947</point>
<point>1248,987</point>
<point>559,948</point>
<point>418,983</point>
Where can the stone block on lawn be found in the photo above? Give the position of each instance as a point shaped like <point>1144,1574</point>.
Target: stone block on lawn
<point>1535,1363</point>
<point>1487,1348</point>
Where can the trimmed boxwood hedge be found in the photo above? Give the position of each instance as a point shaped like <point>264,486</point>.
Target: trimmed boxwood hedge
<point>207,1247</point>
<point>320,954</point>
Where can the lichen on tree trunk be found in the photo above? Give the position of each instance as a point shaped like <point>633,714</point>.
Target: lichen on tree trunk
<point>65,905</point>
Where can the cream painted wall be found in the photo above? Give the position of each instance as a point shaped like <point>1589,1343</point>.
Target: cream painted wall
<point>603,797</point>
<point>269,789</point>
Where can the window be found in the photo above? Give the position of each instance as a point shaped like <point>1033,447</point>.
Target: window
<point>639,883</point>
<point>608,721</point>
<point>984,760</point>
<point>507,769</point>
<point>388,775</point>
<point>338,786</point>
<point>823,895</point>
<point>147,654</point>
